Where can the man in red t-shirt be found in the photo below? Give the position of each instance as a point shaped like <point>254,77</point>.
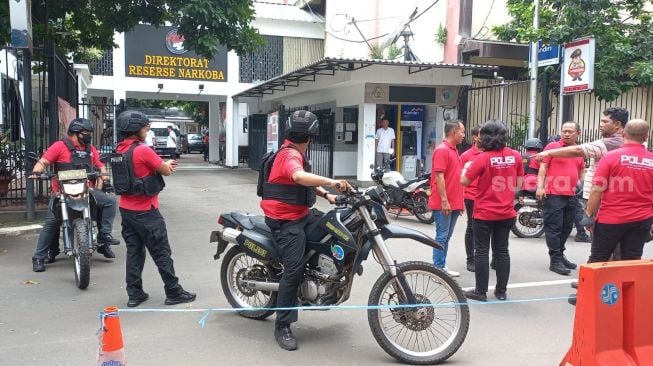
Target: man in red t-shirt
<point>143,227</point>
<point>498,172</point>
<point>621,198</point>
<point>446,199</point>
<point>74,152</point>
<point>556,185</point>
<point>469,195</point>
<point>288,194</point>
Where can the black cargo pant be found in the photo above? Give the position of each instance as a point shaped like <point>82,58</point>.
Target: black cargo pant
<point>558,213</point>
<point>290,239</point>
<point>105,212</point>
<point>630,236</point>
<point>497,232</point>
<point>469,233</point>
<point>147,230</point>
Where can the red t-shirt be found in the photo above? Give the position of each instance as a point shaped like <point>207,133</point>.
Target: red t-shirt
<point>58,153</point>
<point>627,173</point>
<point>497,173</point>
<point>446,160</point>
<point>287,162</point>
<point>467,157</point>
<point>562,173</point>
<point>530,179</point>
<point>144,162</point>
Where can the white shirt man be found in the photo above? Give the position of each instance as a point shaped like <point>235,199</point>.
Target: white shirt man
<point>172,138</point>
<point>385,143</point>
<point>150,138</point>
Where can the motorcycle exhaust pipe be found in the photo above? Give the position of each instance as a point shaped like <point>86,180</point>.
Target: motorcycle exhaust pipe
<point>530,202</point>
<point>230,235</point>
<point>260,285</point>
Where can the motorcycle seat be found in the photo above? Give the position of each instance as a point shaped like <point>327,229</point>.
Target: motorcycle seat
<point>251,222</point>
<point>404,184</point>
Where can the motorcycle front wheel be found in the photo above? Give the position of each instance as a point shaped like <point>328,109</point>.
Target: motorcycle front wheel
<point>524,226</point>
<point>237,266</point>
<point>422,211</point>
<point>419,335</point>
<point>81,253</point>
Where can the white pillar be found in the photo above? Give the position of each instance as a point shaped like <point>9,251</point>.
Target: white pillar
<point>214,128</point>
<point>367,128</point>
<point>231,133</point>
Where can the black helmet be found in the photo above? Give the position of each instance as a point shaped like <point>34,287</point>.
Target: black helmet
<point>132,121</point>
<point>533,144</point>
<point>303,122</point>
<point>554,138</point>
<point>80,124</point>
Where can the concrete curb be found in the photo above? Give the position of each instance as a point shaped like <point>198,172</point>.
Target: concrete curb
<point>20,230</point>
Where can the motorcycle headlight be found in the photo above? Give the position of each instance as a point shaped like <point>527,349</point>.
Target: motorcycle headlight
<point>73,189</point>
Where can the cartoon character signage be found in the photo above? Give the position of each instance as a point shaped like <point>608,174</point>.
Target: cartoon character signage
<point>578,68</point>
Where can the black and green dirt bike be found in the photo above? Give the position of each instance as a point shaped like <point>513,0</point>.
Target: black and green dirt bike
<point>337,245</point>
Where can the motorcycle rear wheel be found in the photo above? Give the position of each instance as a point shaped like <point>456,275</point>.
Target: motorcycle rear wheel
<point>446,313</point>
<point>234,265</point>
<point>422,202</point>
<point>81,253</point>
<point>522,229</point>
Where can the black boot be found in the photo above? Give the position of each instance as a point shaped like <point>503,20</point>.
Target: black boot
<point>107,238</point>
<point>52,255</point>
<point>183,297</point>
<point>285,338</point>
<point>106,251</point>
<point>559,268</point>
<point>568,264</point>
<point>38,265</point>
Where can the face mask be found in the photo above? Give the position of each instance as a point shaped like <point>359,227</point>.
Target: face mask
<point>85,139</point>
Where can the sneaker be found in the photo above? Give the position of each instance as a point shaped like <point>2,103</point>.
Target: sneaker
<point>185,296</point>
<point>572,299</point>
<point>285,338</point>
<point>568,264</point>
<point>473,295</point>
<point>559,269</point>
<point>451,273</point>
<point>38,265</point>
<point>106,251</point>
<point>137,300</point>
<point>582,238</point>
<point>107,238</point>
<point>471,267</point>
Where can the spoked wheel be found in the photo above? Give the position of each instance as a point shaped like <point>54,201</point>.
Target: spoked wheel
<point>529,223</point>
<point>423,212</point>
<point>81,253</point>
<point>419,335</point>
<point>238,266</point>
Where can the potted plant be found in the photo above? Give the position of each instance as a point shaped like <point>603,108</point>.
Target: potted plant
<point>9,163</point>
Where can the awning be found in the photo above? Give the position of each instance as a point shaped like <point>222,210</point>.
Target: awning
<point>329,66</point>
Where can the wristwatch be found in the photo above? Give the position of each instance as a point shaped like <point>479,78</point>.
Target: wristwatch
<point>325,194</point>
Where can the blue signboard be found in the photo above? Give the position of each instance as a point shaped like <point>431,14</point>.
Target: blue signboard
<point>547,54</point>
<point>412,112</point>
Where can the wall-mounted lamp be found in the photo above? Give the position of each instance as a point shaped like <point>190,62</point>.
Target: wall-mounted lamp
<point>160,86</point>
<point>201,88</point>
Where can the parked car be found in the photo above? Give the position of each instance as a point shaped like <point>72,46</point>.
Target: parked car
<point>160,130</point>
<point>194,143</point>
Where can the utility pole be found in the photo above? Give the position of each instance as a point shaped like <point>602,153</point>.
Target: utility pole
<point>533,70</point>
<point>27,126</point>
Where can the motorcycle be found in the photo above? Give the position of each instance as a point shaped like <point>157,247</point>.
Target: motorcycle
<point>530,221</point>
<point>399,194</point>
<point>337,244</point>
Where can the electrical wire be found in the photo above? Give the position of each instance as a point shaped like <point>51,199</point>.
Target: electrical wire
<point>485,21</point>
<point>365,40</point>
<point>427,9</point>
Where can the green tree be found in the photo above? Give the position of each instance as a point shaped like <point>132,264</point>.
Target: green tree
<point>623,30</point>
<point>81,25</point>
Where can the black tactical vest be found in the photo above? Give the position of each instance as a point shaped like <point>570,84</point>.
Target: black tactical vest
<point>79,159</point>
<point>294,194</point>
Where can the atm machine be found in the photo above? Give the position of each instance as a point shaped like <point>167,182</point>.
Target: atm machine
<point>409,151</point>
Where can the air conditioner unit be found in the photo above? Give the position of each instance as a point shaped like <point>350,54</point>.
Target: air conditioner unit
<point>447,96</point>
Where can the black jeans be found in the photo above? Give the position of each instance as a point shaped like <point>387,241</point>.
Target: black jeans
<point>631,236</point>
<point>147,230</point>
<point>498,233</point>
<point>580,211</point>
<point>469,231</point>
<point>290,239</point>
<point>558,213</point>
<point>105,213</point>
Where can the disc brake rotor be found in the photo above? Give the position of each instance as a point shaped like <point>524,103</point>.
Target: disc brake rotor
<point>414,318</point>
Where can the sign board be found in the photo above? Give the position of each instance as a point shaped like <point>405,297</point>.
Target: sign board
<point>159,53</point>
<point>547,54</point>
<point>273,132</point>
<point>578,66</point>
<point>20,17</point>
<point>377,93</point>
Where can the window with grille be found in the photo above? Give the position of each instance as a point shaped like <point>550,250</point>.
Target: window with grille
<point>103,65</point>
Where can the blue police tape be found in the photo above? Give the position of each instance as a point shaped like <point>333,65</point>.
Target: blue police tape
<point>207,312</point>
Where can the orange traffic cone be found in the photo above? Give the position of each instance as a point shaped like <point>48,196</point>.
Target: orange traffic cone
<point>111,349</point>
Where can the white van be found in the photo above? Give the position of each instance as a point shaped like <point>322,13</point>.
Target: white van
<point>160,130</point>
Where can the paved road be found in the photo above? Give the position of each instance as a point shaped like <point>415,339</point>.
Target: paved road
<point>51,322</point>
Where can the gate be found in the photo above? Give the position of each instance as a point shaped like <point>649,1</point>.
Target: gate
<point>257,138</point>
<point>102,115</point>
